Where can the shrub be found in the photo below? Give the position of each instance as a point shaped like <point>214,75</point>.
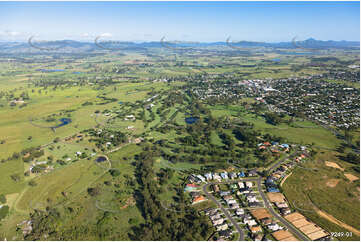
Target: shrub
<point>2,198</point>
<point>15,177</point>
<point>114,172</point>
<point>4,212</point>
<point>93,191</point>
<point>32,183</point>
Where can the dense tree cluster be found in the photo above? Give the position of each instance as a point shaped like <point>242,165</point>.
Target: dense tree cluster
<point>161,224</point>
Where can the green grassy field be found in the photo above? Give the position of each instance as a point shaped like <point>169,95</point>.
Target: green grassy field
<point>51,187</point>
<point>115,206</point>
<point>8,185</point>
<point>327,189</point>
<point>15,127</point>
<point>302,132</point>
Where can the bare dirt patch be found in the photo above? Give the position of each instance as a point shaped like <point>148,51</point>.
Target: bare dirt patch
<point>284,235</point>
<point>332,182</point>
<point>11,198</point>
<point>351,177</point>
<point>276,197</point>
<point>338,222</point>
<point>130,202</point>
<point>294,217</point>
<point>333,165</point>
<point>260,213</point>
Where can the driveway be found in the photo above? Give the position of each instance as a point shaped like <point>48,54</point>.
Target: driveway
<point>268,205</point>
<point>210,196</point>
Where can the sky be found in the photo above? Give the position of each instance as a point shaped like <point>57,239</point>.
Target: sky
<point>183,21</point>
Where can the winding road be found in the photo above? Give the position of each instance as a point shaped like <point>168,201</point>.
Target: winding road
<point>278,163</point>
<point>210,196</point>
<point>269,207</point>
<point>266,202</point>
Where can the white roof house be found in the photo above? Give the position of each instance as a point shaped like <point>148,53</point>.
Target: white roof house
<point>240,211</point>
<point>249,222</point>
<point>200,177</point>
<point>218,221</point>
<point>274,227</point>
<point>208,176</point>
<point>216,177</point>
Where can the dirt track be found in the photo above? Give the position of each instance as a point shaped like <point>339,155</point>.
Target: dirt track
<point>338,222</point>
<point>284,179</point>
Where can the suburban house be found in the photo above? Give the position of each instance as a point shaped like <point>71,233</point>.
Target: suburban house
<point>281,205</point>
<point>224,193</point>
<point>222,227</point>
<point>215,217</point>
<point>239,211</point>
<point>234,205</point>
<point>232,175</point>
<point>252,172</point>
<point>285,211</point>
<point>228,197</point>
<point>249,184</point>
<point>249,222</point>
<point>256,229</point>
<point>191,187</point>
<point>200,177</point>
<point>224,175</point>
<point>241,174</point>
<point>217,177</point>
<point>218,221</point>
<point>208,176</point>
<point>274,227</point>
<point>225,233</point>
<point>198,199</point>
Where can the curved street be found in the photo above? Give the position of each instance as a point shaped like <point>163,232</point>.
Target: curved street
<point>209,196</point>
<point>267,204</point>
<point>269,207</point>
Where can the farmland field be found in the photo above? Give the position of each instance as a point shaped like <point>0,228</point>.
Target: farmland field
<point>116,145</point>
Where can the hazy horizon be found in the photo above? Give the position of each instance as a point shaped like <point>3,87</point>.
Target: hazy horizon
<point>183,21</point>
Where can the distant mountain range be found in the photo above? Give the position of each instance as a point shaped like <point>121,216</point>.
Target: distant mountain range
<point>77,46</point>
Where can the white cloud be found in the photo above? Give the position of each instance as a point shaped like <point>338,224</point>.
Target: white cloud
<point>8,33</point>
<point>106,35</point>
<point>85,35</point>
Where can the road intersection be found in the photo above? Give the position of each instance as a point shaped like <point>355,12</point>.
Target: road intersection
<point>266,202</point>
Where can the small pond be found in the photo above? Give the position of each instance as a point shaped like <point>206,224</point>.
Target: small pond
<point>50,70</point>
<point>191,120</point>
<point>101,159</point>
<point>64,121</point>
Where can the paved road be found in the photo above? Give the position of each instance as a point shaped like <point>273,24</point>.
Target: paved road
<point>209,196</point>
<point>282,160</point>
<point>268,205</point>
